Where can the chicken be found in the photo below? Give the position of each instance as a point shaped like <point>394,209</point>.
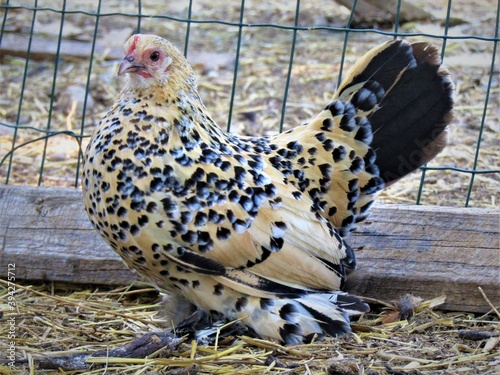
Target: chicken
<point>255,229</point>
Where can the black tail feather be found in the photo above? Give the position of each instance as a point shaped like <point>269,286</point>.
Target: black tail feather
<point>409,128</point>
<point>409,125</point>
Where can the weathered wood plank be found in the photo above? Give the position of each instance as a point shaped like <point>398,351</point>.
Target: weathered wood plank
<point>43,48</point>
<point>46,233</point>
<point>427,251</point>
<point>384,12</point>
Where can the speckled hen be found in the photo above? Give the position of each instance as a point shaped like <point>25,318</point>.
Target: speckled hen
<point>254,228</point>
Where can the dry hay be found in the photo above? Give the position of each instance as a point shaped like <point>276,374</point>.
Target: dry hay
<point>66,320</point>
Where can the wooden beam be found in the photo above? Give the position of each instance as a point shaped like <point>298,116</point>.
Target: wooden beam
<point>14,44</point>
<point>369,13</point>
<point>42,48</point>
<point>427,251</point>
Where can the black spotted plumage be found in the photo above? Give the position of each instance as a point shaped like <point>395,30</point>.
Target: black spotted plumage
<point>254,228</point>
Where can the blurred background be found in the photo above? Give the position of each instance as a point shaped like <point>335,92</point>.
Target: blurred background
<point>262,67</point>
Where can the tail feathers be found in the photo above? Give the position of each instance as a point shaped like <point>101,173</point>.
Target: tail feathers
<point>409,122</point>
<point>294,321</point>
<point>291,320</point>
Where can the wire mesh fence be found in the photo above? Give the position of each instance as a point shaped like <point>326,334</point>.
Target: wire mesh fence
<point>262,68</point>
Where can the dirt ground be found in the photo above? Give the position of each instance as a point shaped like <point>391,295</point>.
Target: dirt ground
<point>46,100</point>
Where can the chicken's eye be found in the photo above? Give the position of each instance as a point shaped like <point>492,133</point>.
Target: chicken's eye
<point>155,56</point>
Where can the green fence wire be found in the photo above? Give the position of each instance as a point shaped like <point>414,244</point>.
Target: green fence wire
<point>22,20</point>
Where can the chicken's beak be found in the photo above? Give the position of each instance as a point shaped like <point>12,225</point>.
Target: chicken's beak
<point>127,66</point>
